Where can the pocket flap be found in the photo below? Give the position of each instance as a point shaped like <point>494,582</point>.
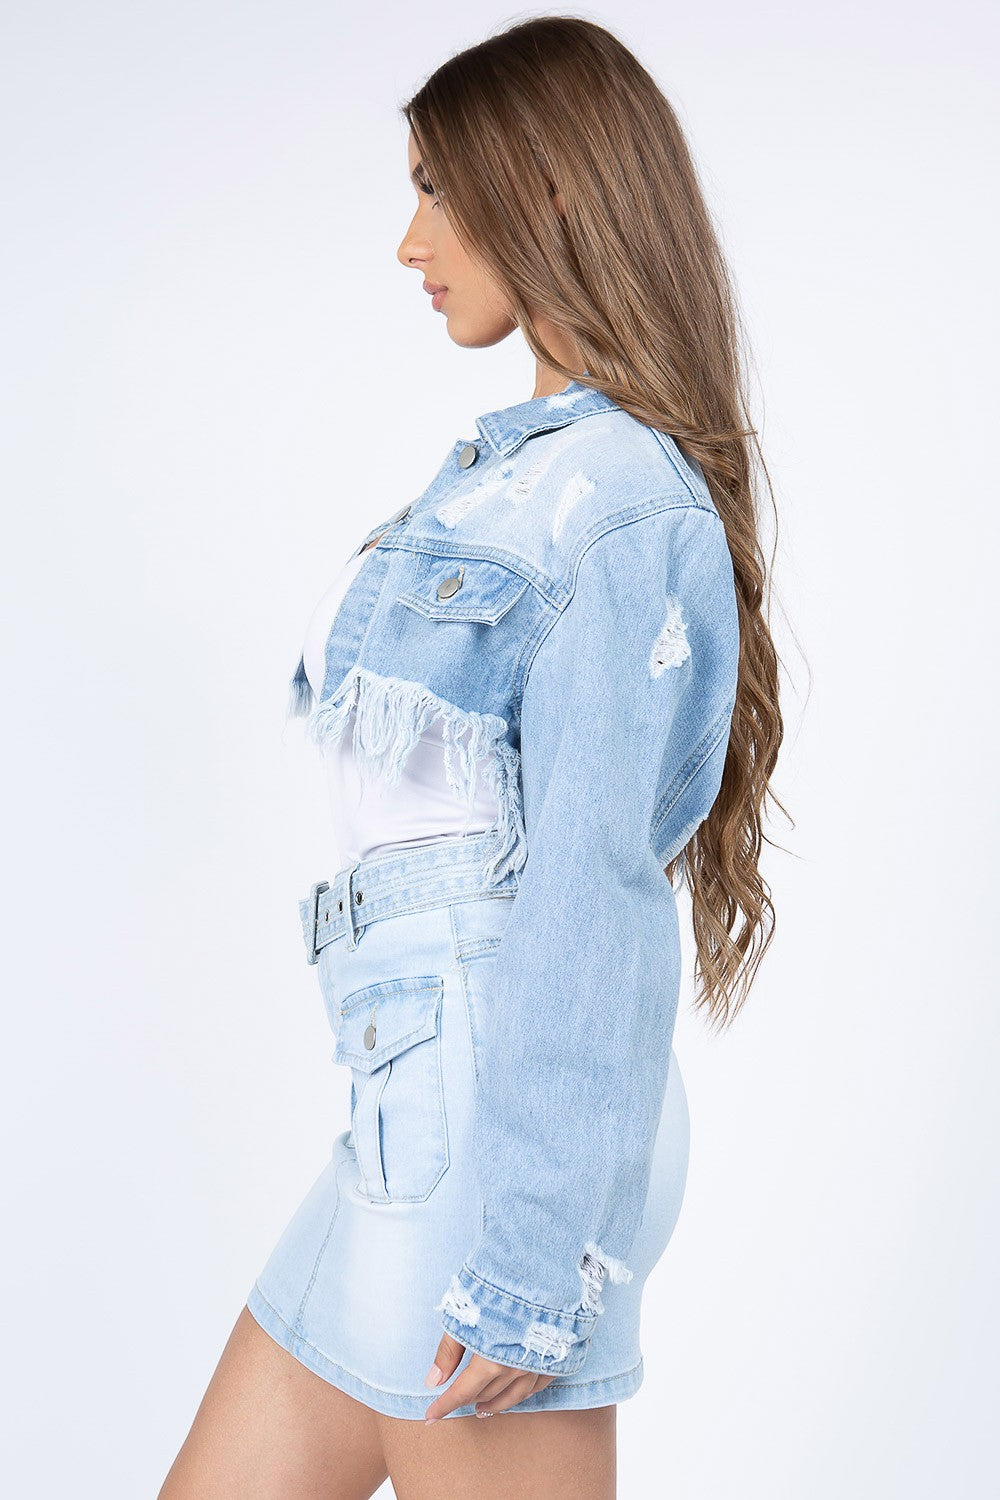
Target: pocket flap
<point>462,588</point>
<point>382,1020</point>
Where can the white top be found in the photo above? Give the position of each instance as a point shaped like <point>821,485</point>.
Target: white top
<point>421,808</point>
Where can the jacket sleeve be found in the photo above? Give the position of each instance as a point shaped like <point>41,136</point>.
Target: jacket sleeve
<point>582,993</point>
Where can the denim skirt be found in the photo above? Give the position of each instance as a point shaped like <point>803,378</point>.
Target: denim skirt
<point>402,945</point>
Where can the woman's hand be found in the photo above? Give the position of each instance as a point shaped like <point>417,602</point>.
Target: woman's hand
<point>490,1386</point>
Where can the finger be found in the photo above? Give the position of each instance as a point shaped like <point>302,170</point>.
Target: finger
<point>515,1392</point>
<point>496,1387</point>
<point>500,1384</point>
<point>446,1360</point>
<point>464,1388</point>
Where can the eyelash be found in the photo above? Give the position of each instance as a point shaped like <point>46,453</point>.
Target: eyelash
<point>427,187</point>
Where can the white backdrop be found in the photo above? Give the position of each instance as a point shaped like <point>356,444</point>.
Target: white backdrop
<point>216,378</point>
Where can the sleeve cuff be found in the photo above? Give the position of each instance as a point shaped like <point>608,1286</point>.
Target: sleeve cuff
<point>513,1332</point>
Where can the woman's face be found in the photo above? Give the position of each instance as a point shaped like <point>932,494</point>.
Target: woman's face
<point>473,303</point>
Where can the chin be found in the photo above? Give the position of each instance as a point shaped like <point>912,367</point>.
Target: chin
<point>478,335</point>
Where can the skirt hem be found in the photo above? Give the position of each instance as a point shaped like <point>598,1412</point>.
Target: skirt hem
<point>563,1395</point>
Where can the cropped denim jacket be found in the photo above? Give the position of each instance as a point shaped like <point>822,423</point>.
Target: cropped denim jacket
<point>561,598</point>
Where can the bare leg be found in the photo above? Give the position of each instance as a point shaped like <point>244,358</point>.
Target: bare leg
<point>270,1429</point>
<point>563,1455</point>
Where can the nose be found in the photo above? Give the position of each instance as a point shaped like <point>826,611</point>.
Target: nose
<point>412,249</point>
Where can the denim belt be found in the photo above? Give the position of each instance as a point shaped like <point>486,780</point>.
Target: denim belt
<point>388,885</point>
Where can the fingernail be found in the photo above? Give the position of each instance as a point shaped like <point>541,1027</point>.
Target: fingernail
<point>434,1376</point>
<point>429,1420</point>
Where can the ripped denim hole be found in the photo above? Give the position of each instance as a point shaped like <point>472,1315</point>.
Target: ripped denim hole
<point>671,647</point>
<point>594,1266</point>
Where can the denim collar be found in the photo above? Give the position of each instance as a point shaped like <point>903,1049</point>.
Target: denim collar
<point>507,427</point>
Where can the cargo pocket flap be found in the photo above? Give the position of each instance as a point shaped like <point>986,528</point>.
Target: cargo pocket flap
<point>382,1020</point>
<point>457,588</point>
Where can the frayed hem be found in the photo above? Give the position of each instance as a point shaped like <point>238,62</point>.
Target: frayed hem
<point>300,693</point>
<point>391,714</point>
<point>543,1339</point>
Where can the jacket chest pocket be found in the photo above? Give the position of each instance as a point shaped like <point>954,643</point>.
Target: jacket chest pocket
<point>461,589</point>
<point>389,1036</point>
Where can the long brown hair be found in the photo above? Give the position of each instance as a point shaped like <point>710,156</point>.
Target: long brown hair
<point>633,269</point>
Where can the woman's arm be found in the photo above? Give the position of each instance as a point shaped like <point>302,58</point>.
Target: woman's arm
<point>581,997</point>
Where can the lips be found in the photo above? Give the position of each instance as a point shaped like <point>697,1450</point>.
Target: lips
<point>433,288</point>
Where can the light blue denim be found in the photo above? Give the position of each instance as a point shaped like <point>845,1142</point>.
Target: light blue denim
<point>405,944</point>
<point>561,598</point>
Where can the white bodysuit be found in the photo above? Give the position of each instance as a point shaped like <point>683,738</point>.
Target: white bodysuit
<point>421,808</point>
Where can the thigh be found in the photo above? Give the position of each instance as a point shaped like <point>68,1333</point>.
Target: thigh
<point>270,1429</point>
<point>563,1455</point>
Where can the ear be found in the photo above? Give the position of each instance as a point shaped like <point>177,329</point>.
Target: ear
<point>558,201</point>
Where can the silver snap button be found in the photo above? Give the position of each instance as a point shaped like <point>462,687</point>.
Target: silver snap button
<point>451,585</point>
<point>369,1036</point>
<point>468,455</point>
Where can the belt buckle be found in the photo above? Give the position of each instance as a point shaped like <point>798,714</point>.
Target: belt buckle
<point>315,891</point>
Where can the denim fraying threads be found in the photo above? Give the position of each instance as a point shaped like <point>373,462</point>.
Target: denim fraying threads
<point>300,693</point>
<point>595,1264</point>
<point>390,715</point>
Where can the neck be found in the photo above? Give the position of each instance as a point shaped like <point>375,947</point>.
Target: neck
<point>547,380</point>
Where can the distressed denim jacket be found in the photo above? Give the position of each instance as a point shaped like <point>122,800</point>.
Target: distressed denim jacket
<point>561,597</point>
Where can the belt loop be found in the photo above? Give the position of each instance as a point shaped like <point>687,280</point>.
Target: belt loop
<point>348,898</point>
<point>312,918</point>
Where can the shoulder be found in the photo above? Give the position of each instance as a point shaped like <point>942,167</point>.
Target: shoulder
<point>643,570</point>
<point>540,507</point>
<point>569,487</point>
<point>594,480</point>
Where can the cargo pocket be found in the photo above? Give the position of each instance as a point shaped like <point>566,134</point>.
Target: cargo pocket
<point>388,1034</point>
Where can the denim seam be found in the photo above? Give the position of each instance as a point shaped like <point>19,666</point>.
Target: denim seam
<point>556,1312</point>
<point>442,1110</point>
<point>472,1044</point>
<point>404,877</point>
<point>373,615</point>
<point>505,447</point>
<point>564,1382</point>
<point>421,1194</point>
<point>621,519</point>
<point>551,589</point>
<point>390,889</point>
<point>416,986</point>
<point>301,1338</point>
<point>660,439</point>
<point>531,644</point>
<point>696,760</point>
<point>690,767</point>
<point>374,861</point>
<point>476,947</point>
<point>473,552</point>
<point>457,1331</point>
<point>316,1264</point>
<point>638,512</point>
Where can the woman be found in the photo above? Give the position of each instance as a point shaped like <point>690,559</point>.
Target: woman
<point>544,690</point>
